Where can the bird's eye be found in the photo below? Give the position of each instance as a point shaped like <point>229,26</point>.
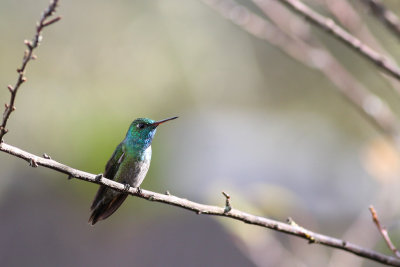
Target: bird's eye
<point>140,126</point>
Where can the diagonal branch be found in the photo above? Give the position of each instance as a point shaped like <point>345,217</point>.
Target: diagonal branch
<point>383,232</point>
<point>367,103</point>
<point>342,35</point>
<point>291,229</point>
<point>305,49</point>
<point>390,19</point>
<point>346,14</point>
<point>28,55</point>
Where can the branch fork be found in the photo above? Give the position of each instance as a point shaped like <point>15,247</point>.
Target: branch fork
<point>383,231</point>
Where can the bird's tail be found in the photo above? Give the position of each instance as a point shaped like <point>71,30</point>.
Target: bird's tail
<point>105,205</point>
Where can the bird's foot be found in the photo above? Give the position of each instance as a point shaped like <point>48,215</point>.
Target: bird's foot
<point>33,163</point>
<point>126,187</point>
<point>98,177</point>
<point>139,190</point>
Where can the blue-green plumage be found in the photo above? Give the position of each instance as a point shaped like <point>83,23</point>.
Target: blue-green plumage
<point>128,165</point>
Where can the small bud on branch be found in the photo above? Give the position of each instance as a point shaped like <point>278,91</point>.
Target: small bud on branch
<point>28,44</point>
<point>48,23</point>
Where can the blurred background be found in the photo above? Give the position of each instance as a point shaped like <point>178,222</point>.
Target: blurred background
<point>261,117</point>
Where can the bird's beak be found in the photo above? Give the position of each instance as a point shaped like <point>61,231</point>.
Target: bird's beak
<point>162,121</point>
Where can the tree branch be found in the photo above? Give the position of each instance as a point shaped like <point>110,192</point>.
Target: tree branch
<point>227,211</point>
<point>304,48</point>
<point>346,14</point>
<point>383,232</point>
<point>391,21</point>
<point>342,35</point>
<point>292,229</point>
<point>28,55</point>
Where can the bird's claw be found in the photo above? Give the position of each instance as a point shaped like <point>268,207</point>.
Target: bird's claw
<point>139,191</point>
<point>33,163</point>
<point>126,187</point>
<point>98,177</point>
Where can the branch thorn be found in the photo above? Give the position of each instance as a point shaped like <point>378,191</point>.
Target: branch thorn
<point>46,156</point>
<point>228,206</point>
<point>291,222</point>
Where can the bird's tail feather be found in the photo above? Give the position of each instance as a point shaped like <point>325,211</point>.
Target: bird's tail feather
<point>104,209</point>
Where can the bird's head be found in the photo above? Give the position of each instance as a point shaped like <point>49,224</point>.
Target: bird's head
<point>142,130</point>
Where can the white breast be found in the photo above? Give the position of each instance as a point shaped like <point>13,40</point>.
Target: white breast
<point>142,168</point>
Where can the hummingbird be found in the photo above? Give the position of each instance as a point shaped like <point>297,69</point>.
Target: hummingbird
<point>128,165</point>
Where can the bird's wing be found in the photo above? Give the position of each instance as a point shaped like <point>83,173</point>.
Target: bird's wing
<point>114,162</point>
<point>111,169</point>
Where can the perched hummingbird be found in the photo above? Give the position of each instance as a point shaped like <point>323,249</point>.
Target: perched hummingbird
<point>128,165</point>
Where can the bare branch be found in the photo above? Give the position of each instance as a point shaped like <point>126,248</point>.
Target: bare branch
<point>390,19</point>
<point>28,55</point>
<point>347,15</point>
<point>309,52</point>
<point>292,229</point>
<point>331,27</point>
<point>227,211</point>
<point>383,231</point>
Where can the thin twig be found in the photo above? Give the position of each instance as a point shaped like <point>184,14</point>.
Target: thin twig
<point>309,52</point>
<point>331,27</point>
<point>383,231</point>
<point>369,104</point>
<point>28,55</point>
<point>347,15</point>
<point>389,18</point>
<point>206,209</point>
